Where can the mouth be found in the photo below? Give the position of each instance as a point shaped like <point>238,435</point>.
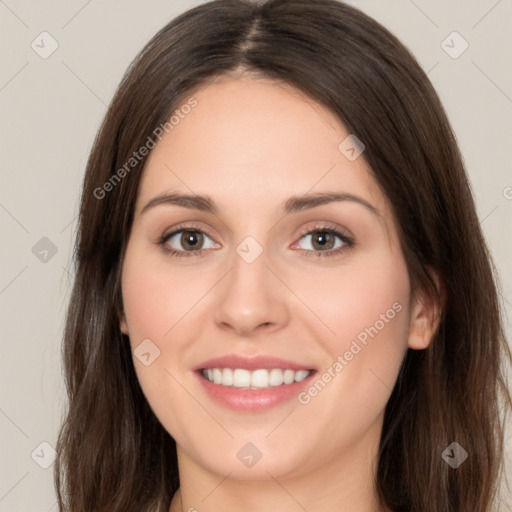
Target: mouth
<point>260,378</point>
<point>252,384</point>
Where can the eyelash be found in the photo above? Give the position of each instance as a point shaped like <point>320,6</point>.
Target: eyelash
<point>348,243</point>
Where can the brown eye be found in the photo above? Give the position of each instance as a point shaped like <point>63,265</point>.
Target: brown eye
<point>191,240</point>
<point>188,241</point>
<point>324,242</point>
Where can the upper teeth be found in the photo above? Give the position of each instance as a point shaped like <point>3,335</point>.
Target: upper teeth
<point>241,378</point>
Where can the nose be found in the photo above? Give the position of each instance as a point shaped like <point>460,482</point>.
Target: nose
<point>251,299</point>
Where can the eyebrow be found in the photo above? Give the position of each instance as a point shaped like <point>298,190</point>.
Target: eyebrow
<point>292,205</point>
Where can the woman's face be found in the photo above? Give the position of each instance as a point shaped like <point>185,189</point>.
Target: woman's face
<point>262,283</point>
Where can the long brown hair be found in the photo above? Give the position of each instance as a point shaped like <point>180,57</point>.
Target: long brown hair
<point>113,454</point>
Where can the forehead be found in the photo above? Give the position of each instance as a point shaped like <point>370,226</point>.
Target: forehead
<point>256,141</point>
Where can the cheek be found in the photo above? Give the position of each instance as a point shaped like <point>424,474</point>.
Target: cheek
<point>360,301</point>
<point>365,308</point>
<point>161,305</point>
<point>156,299</point>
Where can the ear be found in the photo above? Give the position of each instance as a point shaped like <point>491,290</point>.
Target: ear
<point>425,316</point>
<point>122,323</point>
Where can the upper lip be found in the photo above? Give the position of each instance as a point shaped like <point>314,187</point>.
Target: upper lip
<point>250,363</point>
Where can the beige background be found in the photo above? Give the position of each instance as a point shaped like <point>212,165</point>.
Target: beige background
<point>50,111</point>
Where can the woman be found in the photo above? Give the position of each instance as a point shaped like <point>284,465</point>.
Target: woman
<point>283,298</point>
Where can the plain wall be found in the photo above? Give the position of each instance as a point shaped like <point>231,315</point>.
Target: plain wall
<point>51,109</point>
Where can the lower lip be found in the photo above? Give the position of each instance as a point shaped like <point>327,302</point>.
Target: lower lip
<point>253,400</point>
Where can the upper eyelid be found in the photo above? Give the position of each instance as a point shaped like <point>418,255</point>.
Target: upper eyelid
<point>326,225</point>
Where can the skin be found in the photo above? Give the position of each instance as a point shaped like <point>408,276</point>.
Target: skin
<point>250,144</point>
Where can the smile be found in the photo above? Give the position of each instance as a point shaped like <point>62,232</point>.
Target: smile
<point>257,379</point>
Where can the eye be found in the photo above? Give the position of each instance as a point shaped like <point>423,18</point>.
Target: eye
<point>185,240</point>
<point>325,241</point>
